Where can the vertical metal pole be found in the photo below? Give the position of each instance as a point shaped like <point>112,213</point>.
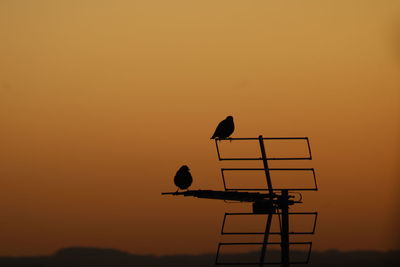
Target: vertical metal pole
<point>266,235</point>
<point>285,228</point>
<point>269,183</point>
<point>265,162</point>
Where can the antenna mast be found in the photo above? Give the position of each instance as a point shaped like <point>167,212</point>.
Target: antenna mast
<point>275,202</point>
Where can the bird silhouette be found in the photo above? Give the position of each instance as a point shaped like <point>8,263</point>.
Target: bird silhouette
<point>224,129</point>
<point>183,179</point>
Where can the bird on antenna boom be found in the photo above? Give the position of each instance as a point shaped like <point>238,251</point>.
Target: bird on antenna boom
<point>224,129</point>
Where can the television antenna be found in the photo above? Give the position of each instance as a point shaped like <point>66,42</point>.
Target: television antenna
<point>267,201</point>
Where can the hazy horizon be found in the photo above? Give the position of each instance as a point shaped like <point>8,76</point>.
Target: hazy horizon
<point>108,249</point>
<point>108,257</point>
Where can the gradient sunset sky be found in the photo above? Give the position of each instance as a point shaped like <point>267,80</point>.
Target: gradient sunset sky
<point>102,101</point>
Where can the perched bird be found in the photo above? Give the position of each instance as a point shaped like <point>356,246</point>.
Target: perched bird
<point>183,179</point>
<point>224,129</point>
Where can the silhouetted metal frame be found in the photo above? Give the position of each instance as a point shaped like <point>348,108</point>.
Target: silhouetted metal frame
<point>226,195</point>
<point>217,262</point>
<point>315,214</point>
<point>309,157</point>
<point>271,192</point>
<point>223,170</point>
<point>236,195</point>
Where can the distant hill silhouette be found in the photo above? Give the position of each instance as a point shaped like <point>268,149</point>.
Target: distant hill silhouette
<point>96,257</point>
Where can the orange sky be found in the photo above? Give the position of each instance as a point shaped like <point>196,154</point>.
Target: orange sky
<point>102,101</point>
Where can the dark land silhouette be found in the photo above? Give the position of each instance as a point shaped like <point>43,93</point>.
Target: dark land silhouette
<point>96,257</point>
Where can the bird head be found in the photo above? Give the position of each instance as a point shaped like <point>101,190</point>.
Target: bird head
<point>229,118</point>
<point>184,168</point>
